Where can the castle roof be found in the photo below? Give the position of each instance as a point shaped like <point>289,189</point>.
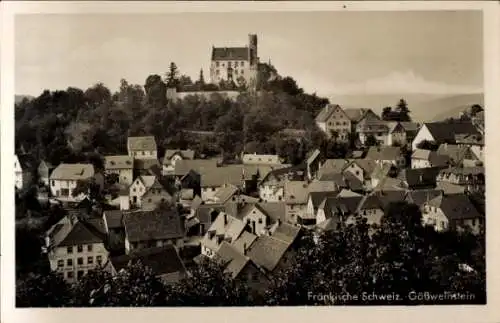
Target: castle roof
<point>230,53</point>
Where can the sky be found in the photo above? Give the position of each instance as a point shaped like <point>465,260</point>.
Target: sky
<point>438,52</point>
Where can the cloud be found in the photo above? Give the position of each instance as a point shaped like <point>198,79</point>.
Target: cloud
<point>401,82</point>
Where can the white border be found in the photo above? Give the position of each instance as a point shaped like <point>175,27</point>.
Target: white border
<point>408,314</point>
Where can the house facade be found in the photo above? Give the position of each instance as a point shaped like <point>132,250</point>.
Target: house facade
<point>373,127</point>
<point>24,168</point>
<point>44,171</point>
<point>334,122</point>
<point>173,156</point>
<point>123,166</point>
<point>225,228</point>
<point>64,179</point>
<point>139,187</point>
<point>142,147</point>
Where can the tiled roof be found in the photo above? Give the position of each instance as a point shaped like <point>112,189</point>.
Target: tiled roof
<point>233,259</point>
<point>370,202</point>
<point>381,171</point>
<point>244,241</point>
<point>205,212</point>
<point>450,188</point>
<point>182,167</point>
<point>318,197</point>
<point>141,143</point>
<point>422,154</point>
<point>371,125</point>
<point>260,159</point>
<point>297,192</point>
<point>153,225</point>
<point>446,131</point>
<point>389,184</point>
<point>419,197</point>
<point>458,206</point>
<point>230,53</point>
<point>223,194</point>
<point>355,114</point>
<point>390,196</point>
<point>347,193</point>
<point>456,153</point>
<point>344,204</point>
<point>275,210</point>
<point>225,225</point>
<point>279,175</point>
<point>118,162</point>
<point>326,112</point>
<point>161,260</point>
<point>411,127</point>
<point>114,218</point>
<point>333,166</point>
<point>267,251</point>
<point>185,154</point>
<point>73,172</point>
<point>79,234</point>
<point>414,177</point>
<point>353,182</point>
<point>286,232</point>
<point>463,170</point>
<point>146,163</point>
<point>384,153</point>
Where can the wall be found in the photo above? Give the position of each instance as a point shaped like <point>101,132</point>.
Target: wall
<point>356,171</point>
<point>57,184</point>
<point>397,137</point>
<point>271,193</point>
<point>257,217</point>
<point>293,211</point>
<point>61,253</point>
<point>423,134</point>
<point>434,216</point>
<point>420,163</point>
<point>126,176</point>
<point>208,193</point>
<point>143,154</point>
<point>130,246</point>
<point>137,190</point>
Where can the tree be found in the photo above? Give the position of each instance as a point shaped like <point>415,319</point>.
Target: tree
<point>371,141</point>
<point>387,114</point>
<point>90,188</point>
<point>172,76</point>
<point>156,91</point>
<point>428,145</point>
<point>403,111</point>
<point>201,81</point>
<point>45,289</point>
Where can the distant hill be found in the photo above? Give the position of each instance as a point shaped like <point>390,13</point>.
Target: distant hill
<point>423,107</point>
<point>19,98</point>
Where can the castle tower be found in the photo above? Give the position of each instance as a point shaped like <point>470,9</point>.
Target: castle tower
<point>252,49</point>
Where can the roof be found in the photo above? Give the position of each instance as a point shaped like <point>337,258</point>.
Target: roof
<point>147,180</point>
<point>419,197</point>
<point>312,155</point>
<point>318,197</point>
<point>384,153</point>
<point>73,172</point>
<point>114,218</point>
<point>267,251</point>
<point>205,212</point>
<point>370,202</point>
<point>347,193</point>
<point>390,196</point>
<point>355,114</point>
<point>182,167</point>
<point>372,125</point>
<point>244,241</point>
<point>456,153</point>
<point>472,139</point>
<point>297,192</point>
<point>146,163</point>
<point>141,143</point>
<point>66,234</point>
<point>381,170</point>
<point>326,112</point>
<point>185,154</point>
<point>414,177</point>
<point>225,225</point>
<point>118,162</point>
<point>286,232</point>
<point>233,259</point>
<point>409,126</point>
<point>280,174</point>
<point>275,210</point>
<point>230,53</point>
<point>367,165</point>
<point>422,154</point>
<point>458,206</point>
<point>224,193</point>
<point>347,204</point>
<point>445,131</point>
<point>450,188</point>
<point>153,225</point>
<point>353,182</point>
<point>161,260</point>
<point>260,159</point>
<point>476,170</point>
<point>333,166</point>
<point>219,176</point>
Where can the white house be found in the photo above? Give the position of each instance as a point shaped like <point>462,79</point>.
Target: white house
<point>333,121</point>
<point>75,247</point>
<point>224,228</point>
<point>123,166</point>
<point>142,147</point>
<point>64,178</point>
<point>387,154</point>
<point>24,166</point>
<point>443,132</point>
<point>422,158</point>
<point>139,187</point>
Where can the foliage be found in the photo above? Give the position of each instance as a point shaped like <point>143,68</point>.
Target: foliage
<point>428,145</point>
<point>44,289</point>
<point>399,113</point>
<point>371,141</point>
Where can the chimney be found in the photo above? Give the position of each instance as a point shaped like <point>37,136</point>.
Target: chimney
<point>225,219</point>
<point>244,248</point>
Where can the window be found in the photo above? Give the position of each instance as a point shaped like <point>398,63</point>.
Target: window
<point>79,274</point>
<point>150,200</point>
<point>242,72</point>
<point>64,192</point>
<point>228,64</point>
<point>357,172</point>
<point>255,276</point>
<point>473,222</point>
<point>260,221</point>
<point>213,189</point>
<point>337,123</point>
<point>329,123</point>
<point>79,261</point>
<point>99,259</point>
<point>53,183</point>
<point>70,275</point>
<point>379,134</point>
<point>79,248</point>
<point>142,153</point>
<point>70,250</point>
<point>69,262</point>
<point>217,64</point>
<point>60,263</point>
<point>242,64</point>
<point>90,260</point>
<point>89,248</point>
<point>217,72</point>
<point>345,123</point>
<point>134,190</point>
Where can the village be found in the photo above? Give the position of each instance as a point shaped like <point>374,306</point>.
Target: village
<point>180,209</point>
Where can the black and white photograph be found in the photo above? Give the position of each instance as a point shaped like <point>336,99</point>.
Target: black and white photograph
<point>249,158</point>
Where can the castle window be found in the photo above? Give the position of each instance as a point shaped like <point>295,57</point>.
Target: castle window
<point>217,72</point>
<point>242,64</point>
<point>217,64</point>
<point>242,72</point>
<point>235,64</point>
<point>228,64</point>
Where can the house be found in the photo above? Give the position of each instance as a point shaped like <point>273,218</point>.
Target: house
<point>422,158</point>
<point>241,267</point>
<point>24,168</point>
<point>64,178</point>
<point>452,212</point>
<point>155,228</point>
<point>313,162</point>
<point>139,187</point>
<point>396,135</point>
<point>164,262</point>
<point>362,169</point>
<point>379,129</point>
<point>256,159</point>
<point>420,197</point>
<point>357,115</point>
<point>172,156</point>
<point>113,222</point>
<point>297,194</point>
<point>44,170</point>
<point>338,208</point>
<point>332,166</point>
<point>472,178</point>
<point>74,247</point>
<point>314,201</point>
<point>123,166</point>
<point>271,187</point>
<point>443,132</point>
<point>184,166</point>
<point>386,197</point>
<point>334,122</point>
<point>220,177</point>
<point>371,208</point>
<point>142,147</point>
<point>224,194</point>
<point>224,228</point>
<point>380,172</point>
<point>154,196</point>
<point>419,178</point>
<point>389,154</point>
<point>277,250</point>
<point>474,142</point>
<point>255,218</point>
<point>459,155</point>
<point>146,167</point>
<point>411,130</point>
<point>237,64</point>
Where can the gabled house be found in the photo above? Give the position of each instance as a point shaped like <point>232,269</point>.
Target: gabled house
<point>24,168</point>
<point>224,194</point>
<point>459,155</point>
<point>380,172</point>
<point>472,178</point>
<point>172,156</point>
<point>421,197</point>
<point>392,155</point>
<point>334,122</point>
<point>422,158</point>
<point>362,169</point>
<point>452,212</point>
<point>257,219</point>
<point>147,167</point>
<point>276,250</point>
<point>371,208</point>
<point>313,204</point>
<point>143,147</point>
<point>313,162</point>
<point>271,187</point>
<point>153,229</point>
<point>185,166</point>
<point>332,166</point>
<point>123,166</point>
<point>44,170</point>
<point>338,209</point>
<point>474,142</point>
<point>419,178</point>
<point>225,228</point>
<point>164,262</point>
<point>379,129</point>
<point>357,115</point>
<point>219,177</point>
<point>64,178</point>
<point>139,187</point>
<point>443,132</point>
<point>74,247</point>
<point>155,195</point>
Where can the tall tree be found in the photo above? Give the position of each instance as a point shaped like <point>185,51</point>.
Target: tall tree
<point>172,75</point>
